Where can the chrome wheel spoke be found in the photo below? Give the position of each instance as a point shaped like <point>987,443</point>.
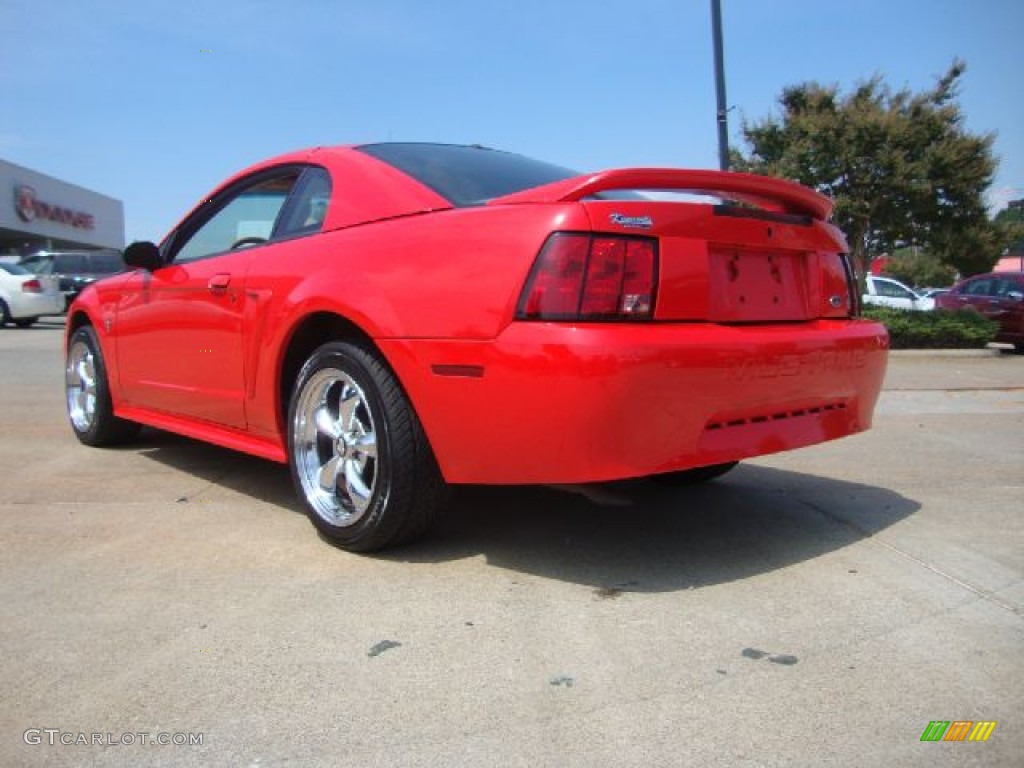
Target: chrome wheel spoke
<point>326,423</point>
<point>355,488</point>
<point>350,401</point>
<point>366,445</point>
<point>85,374</point>
<point>328,475</point>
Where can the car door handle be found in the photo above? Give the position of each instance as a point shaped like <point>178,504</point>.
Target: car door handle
<point>218,284</point>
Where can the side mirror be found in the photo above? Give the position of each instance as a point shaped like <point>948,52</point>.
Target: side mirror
<point>1015,295</point>
<point>144,255</point>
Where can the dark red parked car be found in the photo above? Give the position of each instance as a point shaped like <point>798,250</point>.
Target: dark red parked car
<point>391,318</point>
<point>997,295</point>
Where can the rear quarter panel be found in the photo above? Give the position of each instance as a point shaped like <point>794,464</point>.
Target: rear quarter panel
<point>450,274</point>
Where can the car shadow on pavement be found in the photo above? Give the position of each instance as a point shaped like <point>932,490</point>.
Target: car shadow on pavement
<point>630,536</point>
<point>222,468</point>
<point>644,536</point>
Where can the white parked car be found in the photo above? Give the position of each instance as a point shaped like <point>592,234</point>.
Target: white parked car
<point>886,292</point>
<point>24,296</point>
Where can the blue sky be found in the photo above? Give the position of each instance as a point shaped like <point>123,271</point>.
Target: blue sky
<point>156,102</point>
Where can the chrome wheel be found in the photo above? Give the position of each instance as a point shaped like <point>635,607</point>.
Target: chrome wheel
<point>334,445</point>
<point>80,386</point>
<point>87,393</point>
<point>359,458</point>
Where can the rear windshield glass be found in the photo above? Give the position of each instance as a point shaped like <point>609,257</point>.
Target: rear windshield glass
<point>13,269</point>
<point>467,175</point>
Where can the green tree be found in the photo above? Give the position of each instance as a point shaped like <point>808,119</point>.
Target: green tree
<point>900,166</point>
<point>1010,225</point>
<point>916,266</point>
<point>1012,213</point>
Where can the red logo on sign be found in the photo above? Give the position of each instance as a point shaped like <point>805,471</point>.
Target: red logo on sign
<point>30,208</point>
<point>25,202</point>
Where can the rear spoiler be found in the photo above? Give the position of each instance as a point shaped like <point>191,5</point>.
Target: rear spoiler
<point>764,192</point>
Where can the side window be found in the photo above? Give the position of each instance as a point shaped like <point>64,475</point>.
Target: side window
<point>979,288</point>
<point>40,265</point>
<point>244,217</point>
<point>69,263</point>
<point>891,290</point>
<point>307,209</point>
<point>103,262</point>
<point>1007,285</point>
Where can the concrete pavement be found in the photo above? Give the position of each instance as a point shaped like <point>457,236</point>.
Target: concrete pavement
<point>819,607</point>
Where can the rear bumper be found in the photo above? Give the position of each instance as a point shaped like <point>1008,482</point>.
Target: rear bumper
<point>554,403</point>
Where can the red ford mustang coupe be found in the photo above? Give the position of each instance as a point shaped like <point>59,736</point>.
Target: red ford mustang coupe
<point>392,318</point>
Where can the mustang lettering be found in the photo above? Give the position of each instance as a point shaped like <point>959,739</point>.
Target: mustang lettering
<point>634,222</point>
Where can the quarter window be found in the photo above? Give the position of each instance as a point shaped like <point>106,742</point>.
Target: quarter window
<point>307,209</point>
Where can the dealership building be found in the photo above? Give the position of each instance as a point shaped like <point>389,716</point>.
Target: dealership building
<point>41,213</point>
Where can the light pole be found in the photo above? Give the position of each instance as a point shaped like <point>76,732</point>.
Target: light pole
<point>723,110</point>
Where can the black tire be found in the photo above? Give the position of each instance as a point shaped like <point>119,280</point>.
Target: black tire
<point>697,475</point>
<point>5,314</point>
<point>87,395</point>
<point>359,458</point>
<point>25,322</point>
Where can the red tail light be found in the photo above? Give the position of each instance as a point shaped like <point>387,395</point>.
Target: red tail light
<point>32,286</point>
<point>591,277</point>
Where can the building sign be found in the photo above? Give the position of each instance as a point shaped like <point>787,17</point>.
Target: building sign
<point>40,211</point>
<point>29,208</point>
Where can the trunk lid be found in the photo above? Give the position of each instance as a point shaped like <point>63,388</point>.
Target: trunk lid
<point>726,264</point>
<point>760,251</point>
